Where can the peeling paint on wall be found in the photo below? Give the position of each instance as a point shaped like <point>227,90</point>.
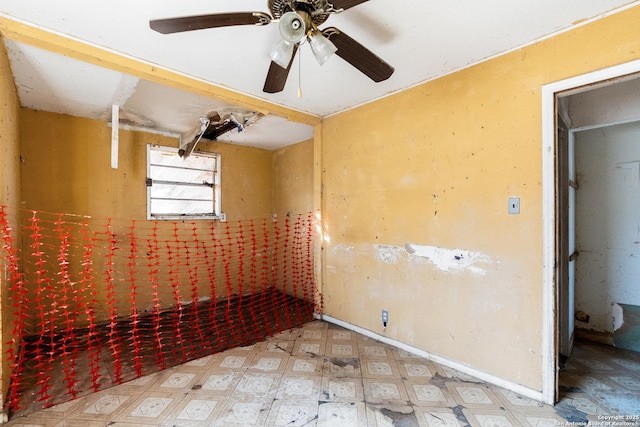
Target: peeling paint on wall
<point>627,336</point>
<point>618,316</point>
<point>443,259</point>
<point>450,259</point>
<point>389,254</point>
<point>341,247</point>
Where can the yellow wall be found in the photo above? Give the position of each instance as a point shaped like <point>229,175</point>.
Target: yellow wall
<point>293,179</point>
<point>67,168</point>
<point>9,135</point>
<point>292,201</point>
<point>433,167</point>
<point>247,176</point>
<point>9,190</point>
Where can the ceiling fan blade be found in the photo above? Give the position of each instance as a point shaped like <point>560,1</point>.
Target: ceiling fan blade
<point>277,76</point>
<point>359,56</point>
<point>346,4</point>
<point>201,22</point>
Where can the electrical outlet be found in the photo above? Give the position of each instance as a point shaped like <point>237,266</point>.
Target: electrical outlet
<point>223,217</point>
<point>385,318</point>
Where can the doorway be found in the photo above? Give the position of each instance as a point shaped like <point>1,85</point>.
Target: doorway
<point>558,315</point>
<point>607,229</point>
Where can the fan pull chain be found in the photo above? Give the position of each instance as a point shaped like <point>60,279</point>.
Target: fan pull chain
<point>300,74</point>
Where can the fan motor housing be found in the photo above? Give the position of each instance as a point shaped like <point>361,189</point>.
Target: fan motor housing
<point>317,9</point>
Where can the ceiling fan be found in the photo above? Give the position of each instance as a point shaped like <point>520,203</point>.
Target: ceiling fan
<point>298,22</point>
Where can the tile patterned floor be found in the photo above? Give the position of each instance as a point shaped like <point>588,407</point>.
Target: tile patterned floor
<point>324,375</point>
<point>599,379</point>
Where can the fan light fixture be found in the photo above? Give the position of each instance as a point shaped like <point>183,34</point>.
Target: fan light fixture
<point>321,47</point>
<point>292,30</point>
<point>293,27</point>
<point>298,20</point>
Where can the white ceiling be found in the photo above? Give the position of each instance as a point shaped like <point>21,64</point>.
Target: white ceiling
<point>52,82</point>
<point>421,39</point>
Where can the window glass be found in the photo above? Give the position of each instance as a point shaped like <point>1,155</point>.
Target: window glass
<point>179,187</point>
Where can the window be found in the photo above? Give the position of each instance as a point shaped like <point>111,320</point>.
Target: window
<point>178,188</point>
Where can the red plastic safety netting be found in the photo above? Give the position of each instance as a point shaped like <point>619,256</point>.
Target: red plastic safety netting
<point>96,302</point>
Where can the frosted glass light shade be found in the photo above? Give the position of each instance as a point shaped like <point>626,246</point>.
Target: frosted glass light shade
<point>281,53</point>
<point>321,47</point>
<point>292,26</point>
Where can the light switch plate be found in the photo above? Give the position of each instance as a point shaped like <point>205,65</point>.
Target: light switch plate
<point>514,205</point>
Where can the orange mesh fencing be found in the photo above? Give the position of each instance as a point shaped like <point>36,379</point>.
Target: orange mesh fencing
<point>96,302</point>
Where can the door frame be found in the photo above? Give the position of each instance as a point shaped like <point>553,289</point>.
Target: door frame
<point>550,341</point>
<point>564,231</point>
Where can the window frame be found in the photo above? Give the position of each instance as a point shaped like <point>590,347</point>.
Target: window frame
<point>215,186</point>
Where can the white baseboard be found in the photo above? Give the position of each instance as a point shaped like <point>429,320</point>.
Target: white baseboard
<point>466,369</point>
